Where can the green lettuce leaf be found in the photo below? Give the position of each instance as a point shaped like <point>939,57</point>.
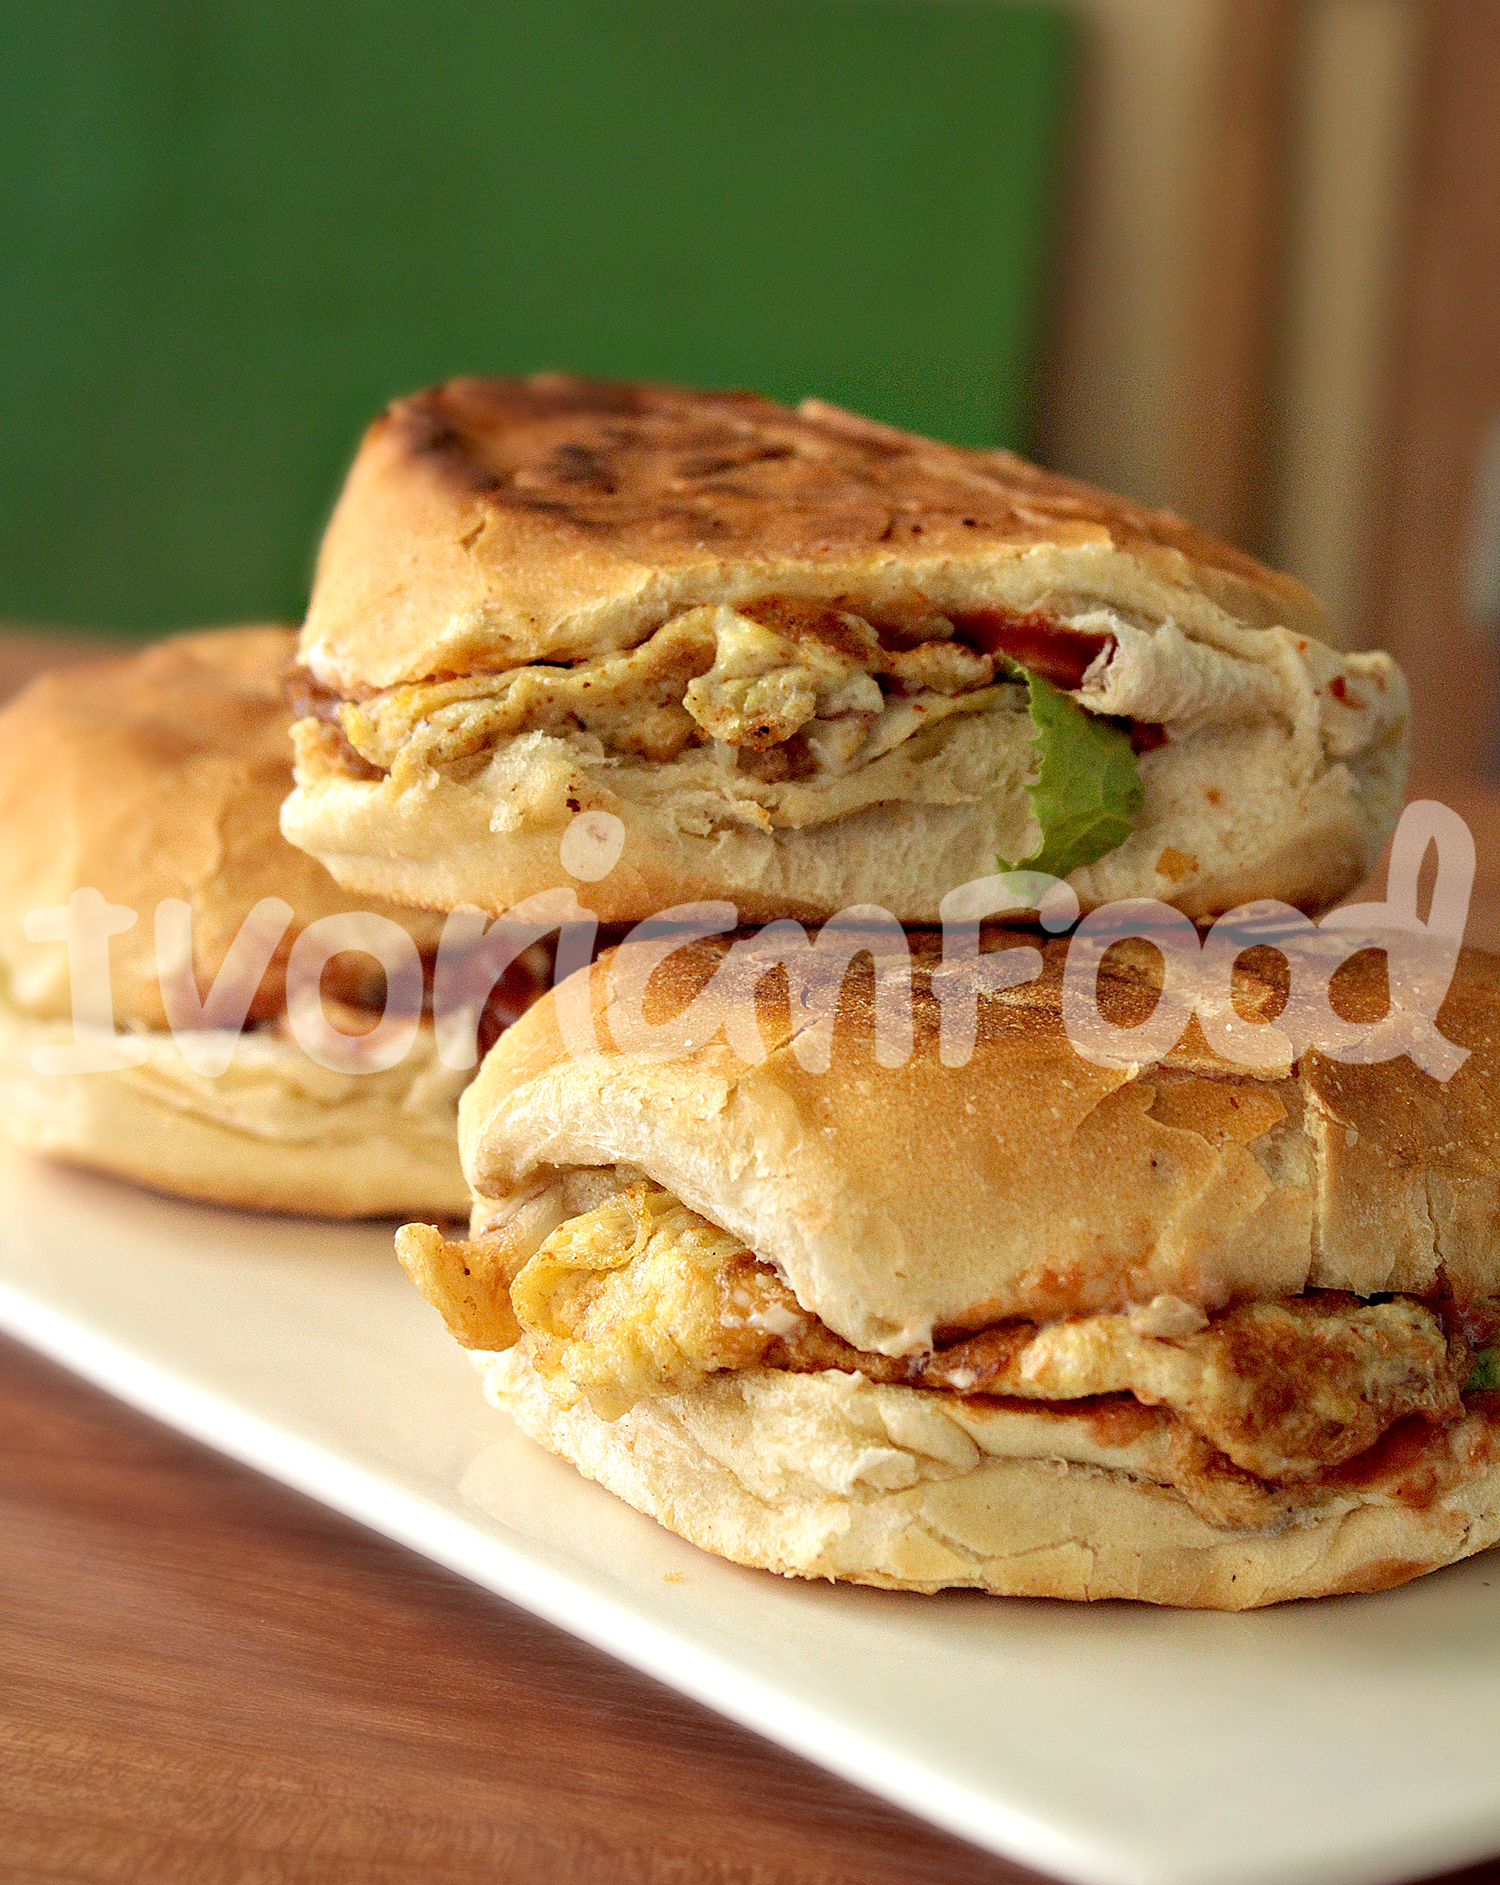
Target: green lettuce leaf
<point>1484,1376</point>
<point>1087,791</point>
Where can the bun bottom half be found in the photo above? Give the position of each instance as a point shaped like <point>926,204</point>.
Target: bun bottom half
<point>1235,808</point>
<point>275,1132</point>
<point>832,1476</point>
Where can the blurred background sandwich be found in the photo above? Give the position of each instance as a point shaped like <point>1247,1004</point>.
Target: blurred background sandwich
<point>157,776</point>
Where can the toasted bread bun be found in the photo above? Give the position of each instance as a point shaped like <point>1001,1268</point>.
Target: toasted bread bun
<point>274,1132</point>
<point>899,1201</point>
<point>489,523</point>
<point>832,1476</point>
<point>157,775</point>
<point>906,1203</point>
<point>152,775</point>
<point>500,543</point>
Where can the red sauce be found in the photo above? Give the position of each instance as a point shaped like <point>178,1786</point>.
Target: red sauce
<point>1109,1419</point>
<point>1402,1462</point>
<point>1112,1419</point>
<point>1060,655</point>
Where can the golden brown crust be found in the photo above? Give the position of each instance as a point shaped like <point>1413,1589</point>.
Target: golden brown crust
<point>487,522</point>
<point>1409,1166</point>
<point>157,774</point>
<point>897,1200</point>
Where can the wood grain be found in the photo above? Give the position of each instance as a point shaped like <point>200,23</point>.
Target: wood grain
<point>205,1677</point>
<point>1222,450</point>
<point>1158,375</point>
<point>1445,391</point>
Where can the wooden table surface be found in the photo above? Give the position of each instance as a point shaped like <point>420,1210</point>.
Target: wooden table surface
<point>209,1679</point>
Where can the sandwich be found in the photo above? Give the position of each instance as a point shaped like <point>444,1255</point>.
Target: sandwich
<point>1178,1332</point>
<point>157,777</point>
<point>809,662</point>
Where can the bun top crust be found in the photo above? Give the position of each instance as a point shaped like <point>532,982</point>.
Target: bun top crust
<point>489,523</point>
<point>152,775</point>
<point>896,1201</point>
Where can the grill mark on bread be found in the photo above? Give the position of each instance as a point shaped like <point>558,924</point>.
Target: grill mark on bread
<point>606,458</point>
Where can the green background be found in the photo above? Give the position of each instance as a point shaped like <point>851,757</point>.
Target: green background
<point>229,233</point>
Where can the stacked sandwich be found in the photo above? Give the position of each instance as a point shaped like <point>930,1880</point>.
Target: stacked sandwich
<point>972,1311</point>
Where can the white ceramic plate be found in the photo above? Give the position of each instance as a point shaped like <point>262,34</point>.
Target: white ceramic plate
<point>1352,1740</point>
